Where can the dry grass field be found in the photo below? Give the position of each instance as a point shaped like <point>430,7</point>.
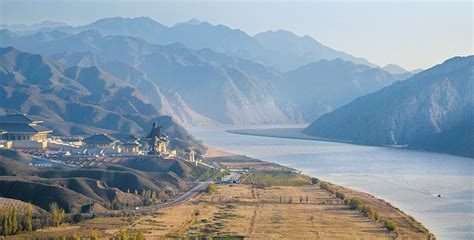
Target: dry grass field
<point>246,211</point>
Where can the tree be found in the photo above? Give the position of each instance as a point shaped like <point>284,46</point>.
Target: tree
<point>28,218</point>
<point>376,216</point>
<point>355,203</point>
<point>7,223</point>
<point>153,196</point>
<point>314,180</point>
<point>123,235</point>
<point>77,218</point>
<point>94,235</point>
<point>5,226</point>
<point>56,213</point>
<point>211,188</point>
<point>340,195</point>
<point>76,237</point>
<point>14,221</point>
<point>140,235</point>
<point>391,226</point>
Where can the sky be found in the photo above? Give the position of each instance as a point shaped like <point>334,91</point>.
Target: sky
<point>410,34</point>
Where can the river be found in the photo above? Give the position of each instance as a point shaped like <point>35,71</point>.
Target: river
<point>411,180</point>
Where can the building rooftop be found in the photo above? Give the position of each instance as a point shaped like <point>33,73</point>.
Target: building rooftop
<point>23,128</point>
<point>100,139</point>
<point>18,118</point>
<point>131,144</point>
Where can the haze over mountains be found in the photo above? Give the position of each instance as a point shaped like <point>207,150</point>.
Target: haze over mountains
<point>208,74</point>
<point>120,74</point>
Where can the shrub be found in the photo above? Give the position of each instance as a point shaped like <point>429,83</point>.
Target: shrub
<point>211,188</point>
<point>391,226</point>
<point>314,180</point>
<point>368,211</point>
<point>324,185</point>
<point>340,195</point>
<point>76,218</point>
<point>355,203</point>
<point>376,216</point>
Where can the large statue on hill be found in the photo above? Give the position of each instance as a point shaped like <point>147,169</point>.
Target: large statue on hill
<point>157,141</point>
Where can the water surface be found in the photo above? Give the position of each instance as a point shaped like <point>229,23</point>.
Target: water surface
<point>411,180</point>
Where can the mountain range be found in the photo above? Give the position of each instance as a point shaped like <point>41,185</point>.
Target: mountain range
<point>120,74</point>
<point>433,110</point>
<point>205,85</point>
<point>281,49</point>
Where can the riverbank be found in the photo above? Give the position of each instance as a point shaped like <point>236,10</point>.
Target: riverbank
<point>410,180</point>
<point>287,180</point>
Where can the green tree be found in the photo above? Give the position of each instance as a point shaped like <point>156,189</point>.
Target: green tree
<point>6,223</point>
<point>140,235</point>
<point>123,235</point>
<point>76,237</point>
<point>28,219</point>
<point>4,219</point>
<point>62,216</point>
<point>55,213</point>
<point>14,221</point>
<point>376,216</point>
<point>94,235</point>
<point>153,196</point>
<point>314,180</point>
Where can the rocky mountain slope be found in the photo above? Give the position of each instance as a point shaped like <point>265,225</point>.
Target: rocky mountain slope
<point>74,188</point>
<point>432,110</point>
<point>88,96</point>
<point>196,87</point>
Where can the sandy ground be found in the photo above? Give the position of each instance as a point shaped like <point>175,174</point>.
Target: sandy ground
<point>265,213</point>
<point>211,152</point>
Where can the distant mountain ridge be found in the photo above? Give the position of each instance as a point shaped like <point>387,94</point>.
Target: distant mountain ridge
<point>432,110</point>
<point>236,93</point>
<point>269,48</point>
<point>178,80</point>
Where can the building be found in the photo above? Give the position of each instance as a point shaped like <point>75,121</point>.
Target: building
<point>192,154</point>
<point>131,145</point>
<point>101,145</point>
<point>157,141</point>
<point>101,141</point>
<point>19,127</point>
<point>21,131</point>
<point>4,143</point>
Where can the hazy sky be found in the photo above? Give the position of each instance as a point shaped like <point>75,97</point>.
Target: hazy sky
<point>410,34</point>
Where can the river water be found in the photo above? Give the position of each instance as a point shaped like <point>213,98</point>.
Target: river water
<point>411,180</point>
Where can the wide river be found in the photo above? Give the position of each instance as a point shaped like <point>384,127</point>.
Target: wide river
<point>411,180</point>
